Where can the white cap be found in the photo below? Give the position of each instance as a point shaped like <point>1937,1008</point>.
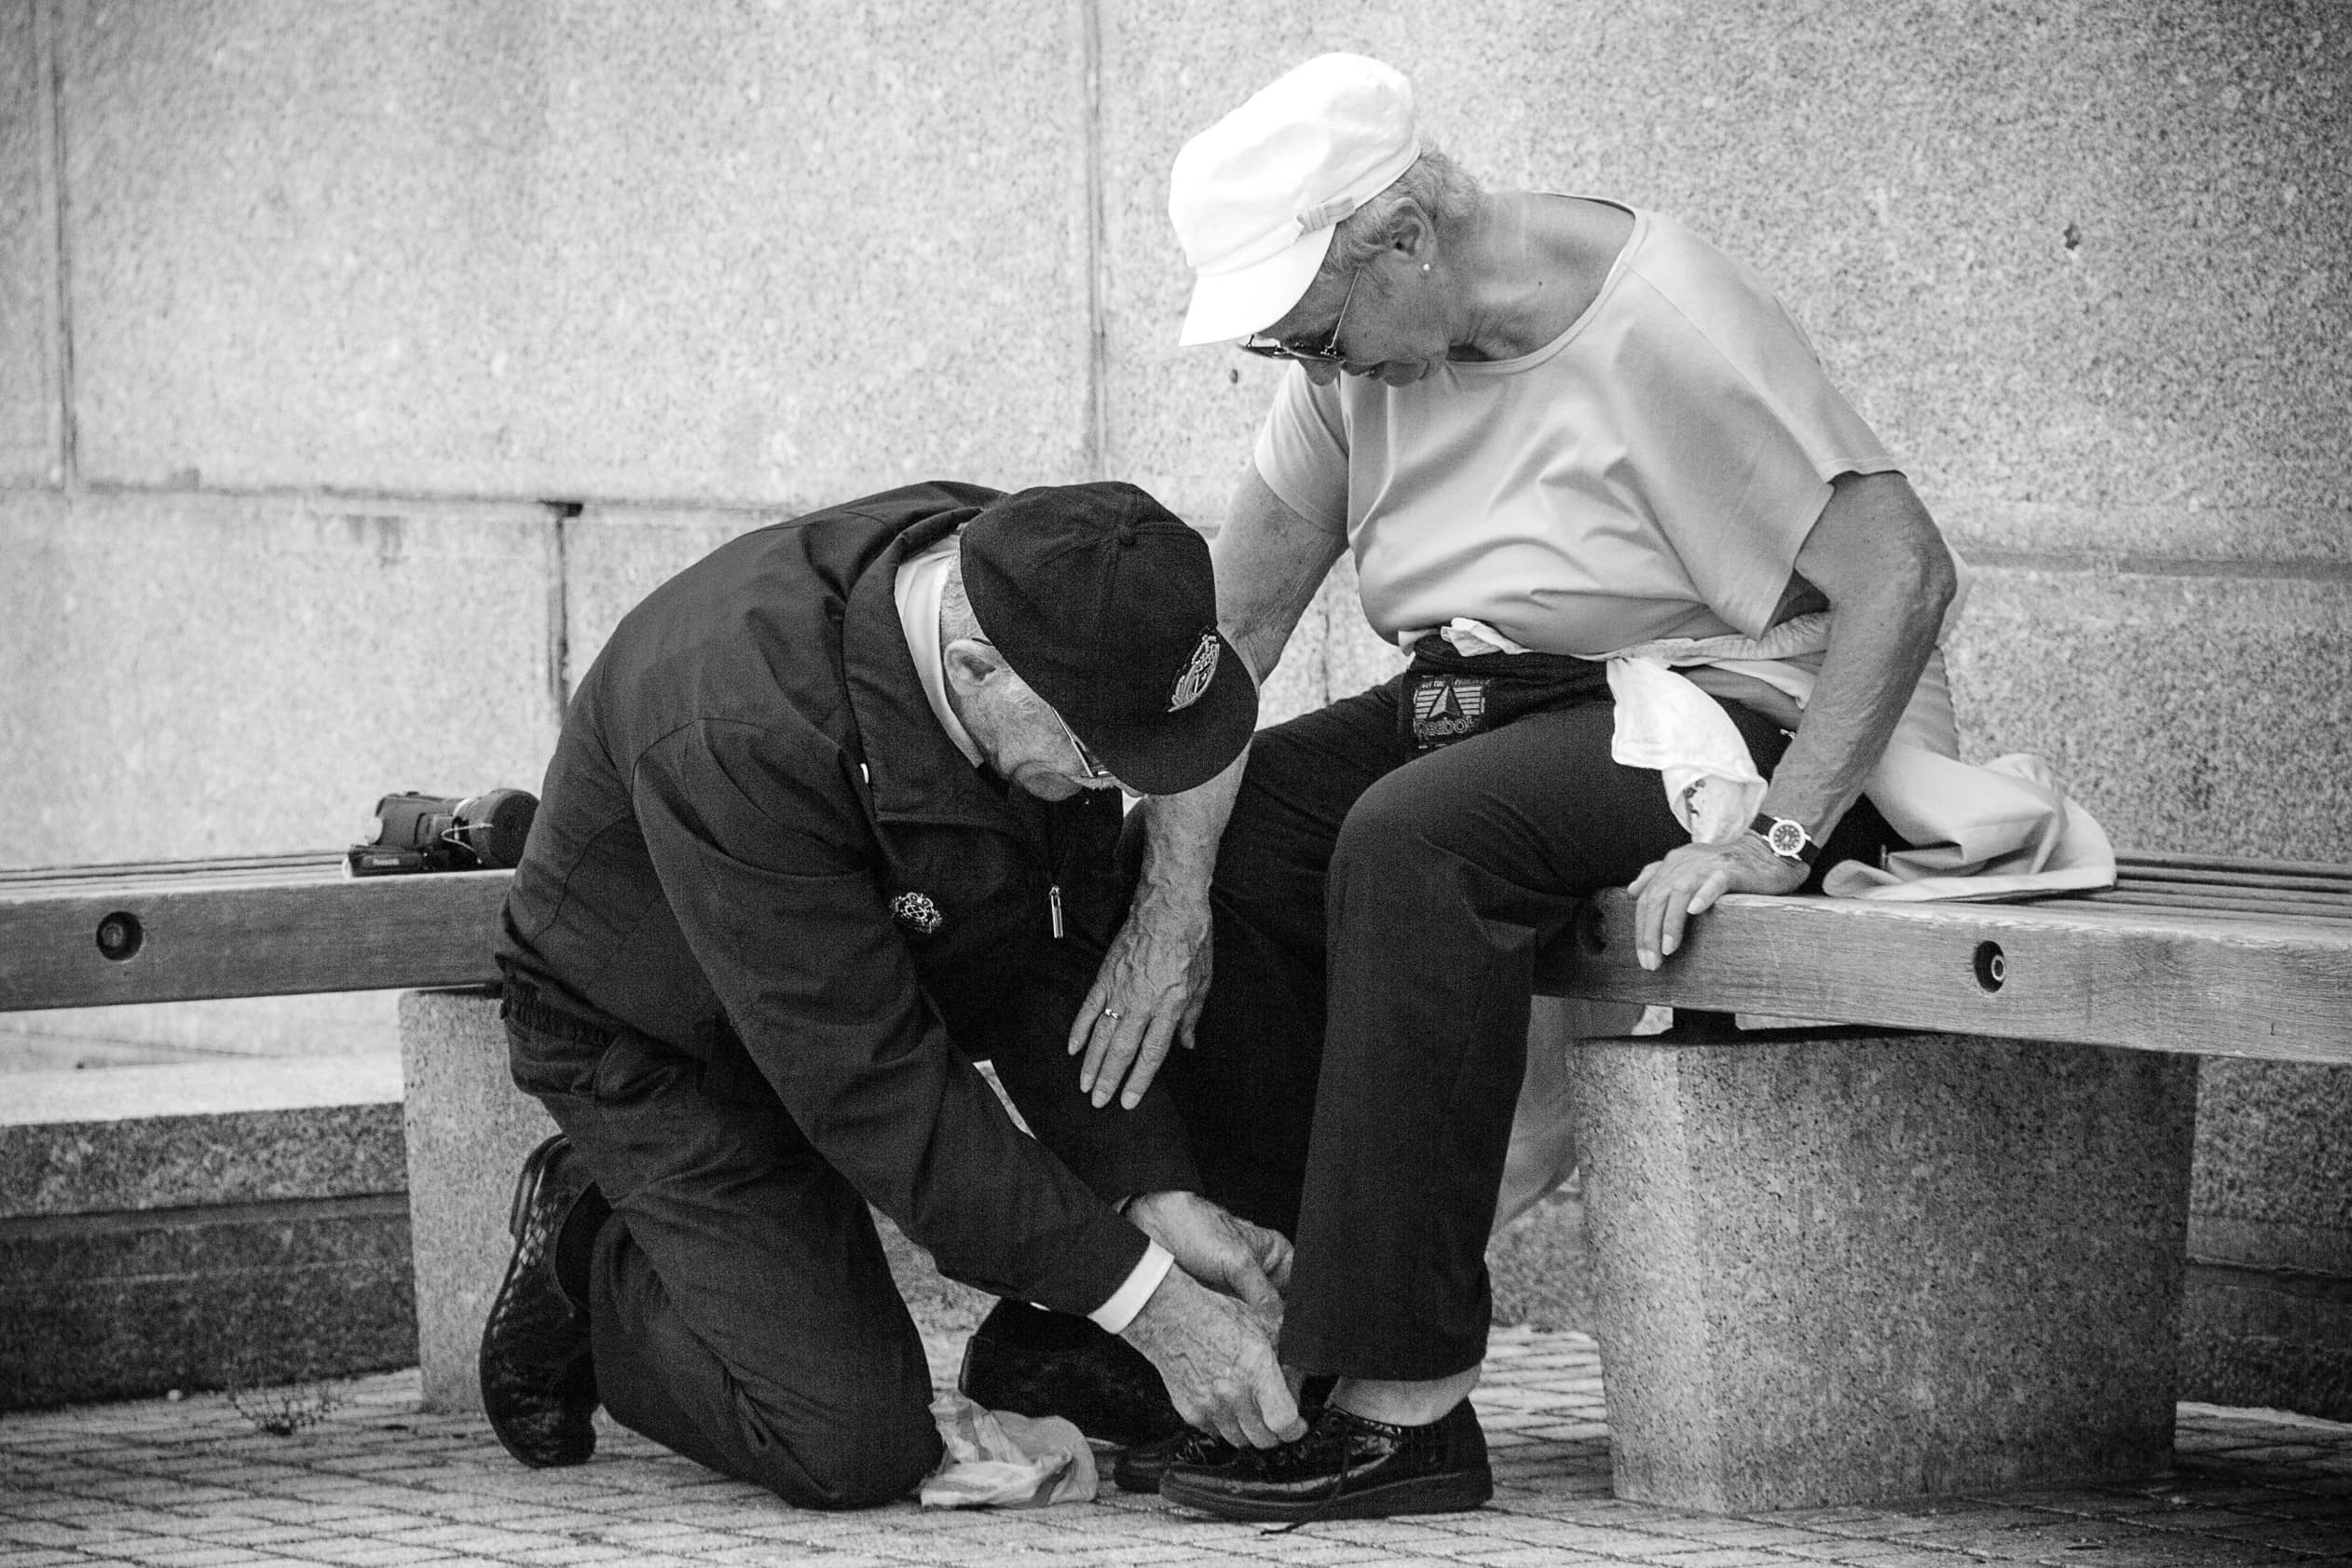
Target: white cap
<point>1254,196</point>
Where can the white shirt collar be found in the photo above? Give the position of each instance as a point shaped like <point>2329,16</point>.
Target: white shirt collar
<point>921,581</point>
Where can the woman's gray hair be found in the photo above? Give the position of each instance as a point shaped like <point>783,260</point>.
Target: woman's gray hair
<point>1439,187</point>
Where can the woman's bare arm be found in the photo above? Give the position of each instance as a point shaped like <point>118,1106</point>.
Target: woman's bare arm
<point>1877,558</point>
<point>1269,563</point>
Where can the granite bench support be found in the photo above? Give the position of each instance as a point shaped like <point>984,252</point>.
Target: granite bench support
<point>1838,1265</point>
<point>468,1128</point>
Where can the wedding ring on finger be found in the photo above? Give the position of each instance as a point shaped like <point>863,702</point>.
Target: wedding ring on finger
<point>1111,1013</point>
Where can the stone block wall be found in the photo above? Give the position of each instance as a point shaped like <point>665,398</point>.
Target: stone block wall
<point>360,365</point>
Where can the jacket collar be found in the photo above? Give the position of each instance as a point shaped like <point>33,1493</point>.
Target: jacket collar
<point>914,772</point>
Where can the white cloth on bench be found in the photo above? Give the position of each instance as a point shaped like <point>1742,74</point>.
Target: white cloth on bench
<point>2000,829</point>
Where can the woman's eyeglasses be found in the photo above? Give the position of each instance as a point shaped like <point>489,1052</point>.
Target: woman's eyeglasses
<point>1323,353</point>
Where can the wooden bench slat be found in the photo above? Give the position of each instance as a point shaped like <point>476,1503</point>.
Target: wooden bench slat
<point>2225,901</point>
<point>2217,971</point>
<point>2254,985</point>
<point>2199,882</point>
<point>2128,862</point>
<point>2215,911</point>
<point>299,932</point>
<point>117,871</point>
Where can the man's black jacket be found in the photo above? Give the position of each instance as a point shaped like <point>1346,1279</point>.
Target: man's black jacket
<point>748,785</point>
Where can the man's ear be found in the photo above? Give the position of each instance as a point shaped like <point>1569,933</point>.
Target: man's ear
<point>969,663</point>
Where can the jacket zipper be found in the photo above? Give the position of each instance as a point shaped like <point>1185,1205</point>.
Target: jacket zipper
<point>1057,863</point>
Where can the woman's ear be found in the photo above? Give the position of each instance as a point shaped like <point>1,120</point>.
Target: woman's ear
<point>1411,233</point>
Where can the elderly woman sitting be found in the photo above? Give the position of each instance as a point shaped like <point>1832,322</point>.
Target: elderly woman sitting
<point>1552,429</point>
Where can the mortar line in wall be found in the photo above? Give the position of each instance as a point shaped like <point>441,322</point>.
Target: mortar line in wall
<point>2292,568</point>
<point>51,54</point>
<point>559,612</point>
<point>523,500</point>
<point>1098,456</point>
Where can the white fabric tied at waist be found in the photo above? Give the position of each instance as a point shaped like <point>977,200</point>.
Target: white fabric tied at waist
<point>1996,830</point>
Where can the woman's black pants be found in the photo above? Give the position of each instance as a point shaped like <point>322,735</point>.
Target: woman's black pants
<point>1386,906</point>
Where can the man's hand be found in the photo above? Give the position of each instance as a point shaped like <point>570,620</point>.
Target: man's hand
<point>1222,1251</point>
<point>1691,879</point>
<point>1217,1358</point>
<point>1145,997</point>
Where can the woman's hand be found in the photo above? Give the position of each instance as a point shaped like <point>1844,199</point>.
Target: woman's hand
<point>1145,997</point>
<point>1220,1249</point>
<point>1691,879</point>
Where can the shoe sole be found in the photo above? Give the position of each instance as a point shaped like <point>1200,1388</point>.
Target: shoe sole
<point>1455,1493</point>
<point>527,1187</point>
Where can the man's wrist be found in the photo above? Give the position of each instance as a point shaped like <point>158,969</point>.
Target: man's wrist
<point>1115,1314</point>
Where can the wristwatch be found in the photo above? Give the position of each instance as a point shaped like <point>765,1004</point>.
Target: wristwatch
<point>1785,838</point>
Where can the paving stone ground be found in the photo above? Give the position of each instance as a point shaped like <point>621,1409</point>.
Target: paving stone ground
<point>376,1482</point>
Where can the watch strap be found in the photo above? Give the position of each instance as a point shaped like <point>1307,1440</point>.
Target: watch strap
<point>1785,838</point>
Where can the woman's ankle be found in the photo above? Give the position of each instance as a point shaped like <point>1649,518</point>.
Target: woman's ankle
<point>1403,1402</point>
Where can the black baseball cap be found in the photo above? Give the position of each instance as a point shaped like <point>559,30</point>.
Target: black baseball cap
<point>1104,603</point>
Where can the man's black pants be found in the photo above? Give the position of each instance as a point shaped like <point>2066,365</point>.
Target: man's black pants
<point>741,1307</point>
<point>1386,906</point>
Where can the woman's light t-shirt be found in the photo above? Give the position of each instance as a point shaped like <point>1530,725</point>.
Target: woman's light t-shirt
<point>1651,472</point>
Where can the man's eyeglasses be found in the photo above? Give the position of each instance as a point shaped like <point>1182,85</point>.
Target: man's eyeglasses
<point>1089,764</point>
<point>1323,353</point>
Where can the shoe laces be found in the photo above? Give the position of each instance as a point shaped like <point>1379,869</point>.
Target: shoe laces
<point>1311,1448</point>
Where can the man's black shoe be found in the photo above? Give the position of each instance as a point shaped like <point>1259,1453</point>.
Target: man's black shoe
<point>539,1383</point>
<point>1141,1468</point>
<point>1049,1363</point>
<point>1346,1467</point>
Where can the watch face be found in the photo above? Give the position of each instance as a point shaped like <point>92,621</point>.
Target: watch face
<point>1786,839</point>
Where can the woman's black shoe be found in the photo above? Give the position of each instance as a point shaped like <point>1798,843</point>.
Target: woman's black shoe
<point>539,1383</point>
<point>1142,1466</point>
<point>1034,1362</point>
<point>1140,1469</point>
<point>1346,1467</point>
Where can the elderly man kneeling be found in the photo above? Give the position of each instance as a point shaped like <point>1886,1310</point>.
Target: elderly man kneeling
<point>834,814</point>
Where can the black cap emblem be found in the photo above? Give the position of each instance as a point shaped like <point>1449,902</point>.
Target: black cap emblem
<point>1196,675</point>
<point>916,914</point>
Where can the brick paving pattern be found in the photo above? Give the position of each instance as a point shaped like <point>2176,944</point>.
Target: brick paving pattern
<point>375,1482</point>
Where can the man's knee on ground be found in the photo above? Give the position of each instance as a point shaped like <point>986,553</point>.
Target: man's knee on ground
<point>856,1454</point>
